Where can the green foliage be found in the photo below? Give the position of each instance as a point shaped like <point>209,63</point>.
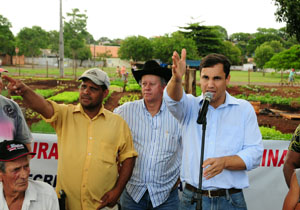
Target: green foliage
<point>208,39</point>
<point>66,97</point>
<point>232,52</point>
<point>42,127</point>
<point>133,87</point>
<point>117,82</point>
<point>164,46</point>
<point>45,93</point>
<point>107,97</point>
<point>53,37</point>
<point>265,52</point>
<point>137,48</point>
<point>267,99</point>
<point>286,59</point>
<point>75,33</point>
<point>288,12</point>
<point>131,97</point>
<point>17,98</point>
<point>31,40</point>
<point>273,134</point>
<point>7,39</point>
<point>198,91</point>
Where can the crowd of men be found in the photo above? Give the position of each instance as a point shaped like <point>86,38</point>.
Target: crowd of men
<point>135,157</point>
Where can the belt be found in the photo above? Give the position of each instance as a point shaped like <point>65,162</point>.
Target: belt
<point>213,193</point>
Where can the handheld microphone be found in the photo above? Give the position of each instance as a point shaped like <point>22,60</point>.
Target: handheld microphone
<point>203,111</point>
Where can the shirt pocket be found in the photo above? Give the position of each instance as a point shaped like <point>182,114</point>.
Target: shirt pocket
<point>170,143</point>
<point>107,155</point>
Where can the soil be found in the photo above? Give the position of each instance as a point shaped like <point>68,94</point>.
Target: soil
<point>264,119</point>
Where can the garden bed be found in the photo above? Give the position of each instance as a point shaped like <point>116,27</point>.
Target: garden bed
<point>268,120</point>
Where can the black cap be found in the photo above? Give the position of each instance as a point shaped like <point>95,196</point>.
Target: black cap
<point>11,150</point>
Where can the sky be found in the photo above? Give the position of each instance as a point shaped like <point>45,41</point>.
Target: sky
<point>149,18</point>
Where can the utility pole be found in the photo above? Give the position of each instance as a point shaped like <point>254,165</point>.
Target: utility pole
<point>61,42</point>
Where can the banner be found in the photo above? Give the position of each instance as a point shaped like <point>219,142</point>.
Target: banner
<point>267,184</point>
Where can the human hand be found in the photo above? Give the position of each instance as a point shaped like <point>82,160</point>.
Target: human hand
<point>15,87</point>
<point>214,167</point>
<point>179,64</point>
<point>109,199</point>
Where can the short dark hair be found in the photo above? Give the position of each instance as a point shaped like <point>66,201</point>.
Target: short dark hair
<point>2,166</point>
<point>213,59</point>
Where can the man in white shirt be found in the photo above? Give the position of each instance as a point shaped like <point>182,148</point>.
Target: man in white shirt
<point>16,191</point>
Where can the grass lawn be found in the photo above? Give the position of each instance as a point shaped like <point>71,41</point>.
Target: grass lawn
<point>236,76</point>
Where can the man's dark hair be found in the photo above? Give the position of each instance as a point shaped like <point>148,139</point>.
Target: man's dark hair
<point>2,166</point>
<point>213,59</point>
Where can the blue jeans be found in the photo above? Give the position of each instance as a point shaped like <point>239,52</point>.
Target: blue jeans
<point>234,201</point>
<point>127,203</point>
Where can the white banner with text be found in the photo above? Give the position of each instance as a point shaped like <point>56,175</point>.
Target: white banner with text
<point>267,185</point>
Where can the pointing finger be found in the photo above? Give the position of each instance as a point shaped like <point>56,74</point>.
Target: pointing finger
<point>9,79</point>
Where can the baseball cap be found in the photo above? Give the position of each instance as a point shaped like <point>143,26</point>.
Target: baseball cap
<point>11,150</point>
<point>97,76</point>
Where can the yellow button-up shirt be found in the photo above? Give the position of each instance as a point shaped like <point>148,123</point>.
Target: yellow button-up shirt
<point>87,153</point>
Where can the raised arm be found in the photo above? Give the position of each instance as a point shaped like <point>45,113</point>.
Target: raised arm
<point>174,87</point>
<point>30,98</point>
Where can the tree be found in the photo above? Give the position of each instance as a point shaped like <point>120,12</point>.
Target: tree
<point>75,33</point>
<point>164,47</point>
<point>53,37</point>
<point>286,59</point>
<point>208,39</point>
<point>288,12</point>
<point>241,41</point>
<point>265,52</point>
<point>263,35</point>
<point>137,48</point>
<point>232,52</point>
<point>83,54</point>
<point>7,39</point>
<point>31,40</point>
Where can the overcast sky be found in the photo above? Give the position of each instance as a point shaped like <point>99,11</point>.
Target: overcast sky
<point>122,18</point>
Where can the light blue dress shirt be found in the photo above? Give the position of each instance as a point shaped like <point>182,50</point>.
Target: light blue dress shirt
<point>158,142</point>
<point>232,129</point>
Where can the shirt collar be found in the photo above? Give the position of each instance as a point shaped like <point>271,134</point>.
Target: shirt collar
<point>162,107</point>
<point>229,100</point>
<point>78,108</point>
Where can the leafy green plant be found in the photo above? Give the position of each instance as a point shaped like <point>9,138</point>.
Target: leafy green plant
<point>107,97</point>
<point>272,133</point>
<point>133,87</point>
<point>45,93</point>
<point>131,97</point>
<point>117,82</point>
<point>198,91</point>
<point>17,98</point>
<point>66,97</point>
<point>42,127</point>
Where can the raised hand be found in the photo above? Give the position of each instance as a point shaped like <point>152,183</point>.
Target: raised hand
<point>16,87</point>
<point>179,64</point>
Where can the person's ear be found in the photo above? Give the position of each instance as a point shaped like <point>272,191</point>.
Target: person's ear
<point>105,93</point>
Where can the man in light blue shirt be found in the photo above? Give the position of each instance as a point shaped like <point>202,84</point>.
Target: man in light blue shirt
<point>233,142</point>
<point>157,138</point>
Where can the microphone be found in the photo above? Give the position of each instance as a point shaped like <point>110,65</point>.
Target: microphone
<point>203,111</point>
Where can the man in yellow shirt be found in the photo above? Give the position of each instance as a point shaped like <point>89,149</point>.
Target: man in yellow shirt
<point>91,141</point>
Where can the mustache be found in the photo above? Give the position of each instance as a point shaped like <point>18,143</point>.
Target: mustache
<point>85,97</point>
